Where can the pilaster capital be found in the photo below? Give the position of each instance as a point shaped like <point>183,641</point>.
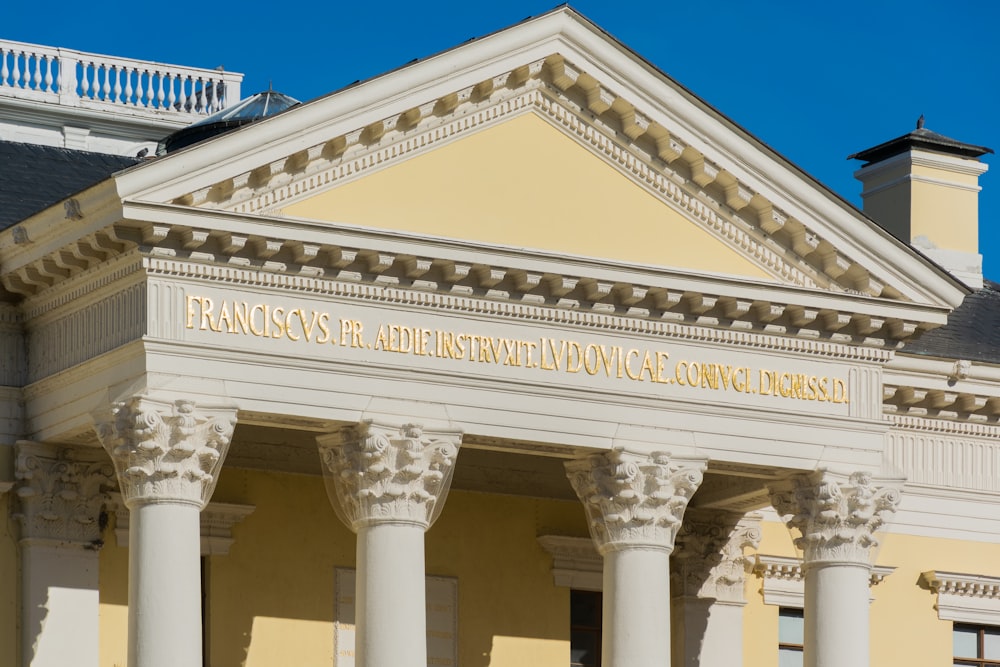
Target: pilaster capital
<point>389,474</point>
<point>634,500</point>
<point>710,560</point>
<point>166,452</point>
<point>836,516</point>
<point>61,493</point>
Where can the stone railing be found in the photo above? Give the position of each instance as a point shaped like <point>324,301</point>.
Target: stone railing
<point>75,78</point>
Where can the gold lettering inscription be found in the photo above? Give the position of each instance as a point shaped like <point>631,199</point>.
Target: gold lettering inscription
<point>613,362</point>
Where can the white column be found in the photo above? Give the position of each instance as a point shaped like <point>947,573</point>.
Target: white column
<point>60,495</point>
<point>836,517</point>
<point>710,569</point>
<point>388,484</point>
<point>635,503</point>
<point>167,458</point>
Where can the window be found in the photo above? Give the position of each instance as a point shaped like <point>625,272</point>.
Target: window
<point>976,645</point>
<point>791,637</point>
<point>585,628</point>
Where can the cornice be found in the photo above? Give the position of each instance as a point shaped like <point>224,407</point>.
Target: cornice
<point>624,76</point>
<point>974,429</point>
<point>677,316</point>
<point>965,598</point>
<point>783,582</point>
<point>614,130</point>
<point>942,394</point>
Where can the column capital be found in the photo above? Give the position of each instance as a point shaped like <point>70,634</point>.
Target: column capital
<point>60,494</point>
<point>383,473</point>
<point>709,559</point>
<point>836,516</point>
<point>166,452</point>
<point>634,499</point>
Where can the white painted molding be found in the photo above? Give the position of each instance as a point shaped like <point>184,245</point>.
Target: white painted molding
<point>217,521</point>
<point>783,584</point>
<point>966,598</point>
<point>575,562</point>
<point>958,165</point>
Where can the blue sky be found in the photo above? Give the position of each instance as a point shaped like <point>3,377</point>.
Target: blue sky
<point>816,81</point>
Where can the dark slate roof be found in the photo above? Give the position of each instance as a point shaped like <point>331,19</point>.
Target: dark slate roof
<point>972,332</point>
<point>34,177</point>
<point>921,138</point>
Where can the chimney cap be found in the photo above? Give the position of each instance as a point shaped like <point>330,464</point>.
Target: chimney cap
<point>923,139</point>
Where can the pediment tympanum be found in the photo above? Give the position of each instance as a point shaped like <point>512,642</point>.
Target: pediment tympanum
<point>524,183</point>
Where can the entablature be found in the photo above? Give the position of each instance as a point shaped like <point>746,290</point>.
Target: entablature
<point>958,393</point>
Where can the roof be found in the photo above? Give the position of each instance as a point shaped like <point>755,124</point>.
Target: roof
<point>920,138</point>
<point>972,332</point>
<point>34,177</point>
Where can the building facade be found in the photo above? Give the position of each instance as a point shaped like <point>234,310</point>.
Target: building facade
<point>521,354</point>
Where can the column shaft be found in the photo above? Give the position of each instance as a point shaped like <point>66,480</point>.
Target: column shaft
<point>836,615</point>
<point>164,586</point>
<point>636,625</point>
<point>391,606</point>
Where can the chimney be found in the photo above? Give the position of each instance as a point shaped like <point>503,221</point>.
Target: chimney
<point>923,188</point>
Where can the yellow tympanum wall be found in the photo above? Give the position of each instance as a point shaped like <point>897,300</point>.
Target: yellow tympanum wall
<point>525,184</point>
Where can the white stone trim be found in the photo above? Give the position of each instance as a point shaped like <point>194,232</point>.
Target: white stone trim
<point>918,178</point>
<point>217,521</point>
<point>575,562</point>
<point>958,165</point>
<point>783,584</point>
<point>966,598</point>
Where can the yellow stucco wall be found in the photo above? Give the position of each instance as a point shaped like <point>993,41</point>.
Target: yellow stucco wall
<point>905,628</point>
<point>9,577</point>
<point>524,183</point>
<point>272,598</point>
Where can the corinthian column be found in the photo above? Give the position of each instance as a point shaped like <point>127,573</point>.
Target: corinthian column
<point>389,485</point>
<point>710,570</point>
<point>634,504</point>
<point>60,497</point>
<point>167,457</point>
<point>836,518</point>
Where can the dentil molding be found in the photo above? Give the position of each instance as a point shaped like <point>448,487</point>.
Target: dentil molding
<point>783,581</point>
<point>382,473</point>
<point>966,598</point>
<point>634,500</point>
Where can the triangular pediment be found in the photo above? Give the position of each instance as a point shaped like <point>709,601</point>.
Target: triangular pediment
<point>548,137</point>
<point>526,184</point>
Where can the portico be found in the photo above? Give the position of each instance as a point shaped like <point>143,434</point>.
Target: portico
<point>640,340</point>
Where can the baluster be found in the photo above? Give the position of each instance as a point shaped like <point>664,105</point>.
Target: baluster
<point>118,83</point>
<point>48,74</point>
<point>105,85</point>
<point>159,91</point>
<point>4,72</point>
<point>185,100</point>
<point>129,72</point>
<point>87,69</point>
<point>171,95</point>
<point>213,97</point>
<point>36,80</point>
<point>16,73</point>
<point>201,97</point>
<point>149,89</point>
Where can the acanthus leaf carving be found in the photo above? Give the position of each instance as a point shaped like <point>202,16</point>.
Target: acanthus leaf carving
<point>166,452</point>
<point>382,473</point>
<point>710,561</point>
<point>836,518</point>
<point>634,500</point>
<point>61,493</point>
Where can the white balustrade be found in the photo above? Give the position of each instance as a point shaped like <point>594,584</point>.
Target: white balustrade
<point>75,78</point>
